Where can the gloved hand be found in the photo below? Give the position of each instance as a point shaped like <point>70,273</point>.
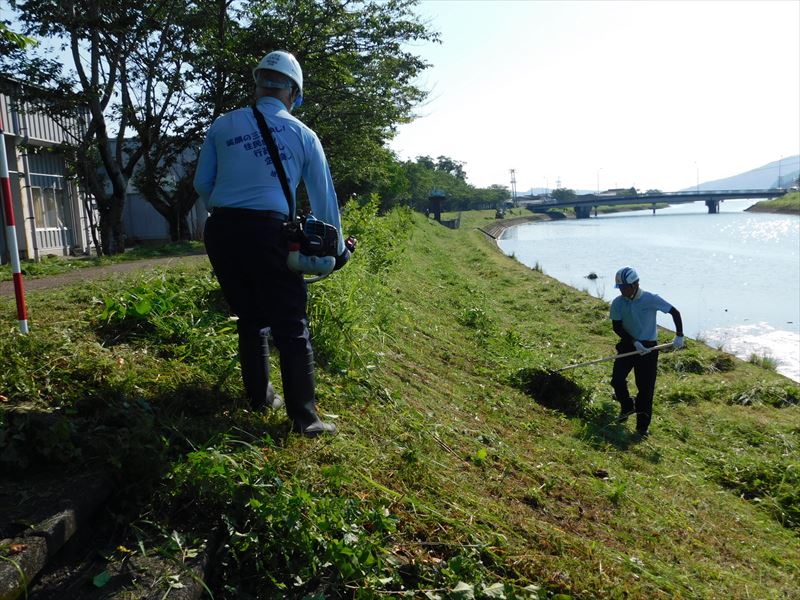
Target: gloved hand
<point>342,259</point>
<point>640,347</point>
<point>677,342</point>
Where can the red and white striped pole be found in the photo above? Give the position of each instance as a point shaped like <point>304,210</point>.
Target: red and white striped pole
<point>11,234</point>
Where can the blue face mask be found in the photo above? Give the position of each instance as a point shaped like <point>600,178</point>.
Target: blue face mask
<point>285,86</point>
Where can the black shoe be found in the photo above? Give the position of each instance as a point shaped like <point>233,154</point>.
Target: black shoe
<point>273,401</point>
<point>643,434</point>
<point>316,428</point>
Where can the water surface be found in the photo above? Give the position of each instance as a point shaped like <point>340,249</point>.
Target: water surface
<point>735,276</point>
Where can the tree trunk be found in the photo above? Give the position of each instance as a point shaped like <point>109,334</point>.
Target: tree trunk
<point>112,236</point>
<point>178,227</point>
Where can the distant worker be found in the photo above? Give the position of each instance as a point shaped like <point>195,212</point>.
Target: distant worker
<point>243,236</point>
<point>633,317</point>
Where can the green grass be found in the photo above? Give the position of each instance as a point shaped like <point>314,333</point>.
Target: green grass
<point>461,467</point>
<point>790,204</point>
<point>50,265</point>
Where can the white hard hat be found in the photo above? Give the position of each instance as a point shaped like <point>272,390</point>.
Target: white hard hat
<point>286,63</point>
<point>626,276</point>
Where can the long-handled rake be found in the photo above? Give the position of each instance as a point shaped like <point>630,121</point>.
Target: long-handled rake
<point>599,360</point>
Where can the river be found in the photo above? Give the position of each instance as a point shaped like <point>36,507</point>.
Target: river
<point>735,276</point>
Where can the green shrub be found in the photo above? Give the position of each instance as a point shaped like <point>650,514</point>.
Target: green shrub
<point>180,315</point>
<point>763,361</point>
<point>351,305</point>
<point>283,533</point>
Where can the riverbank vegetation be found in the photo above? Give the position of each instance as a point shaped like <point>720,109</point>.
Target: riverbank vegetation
<point>788,204</point>
<point>464,466</point>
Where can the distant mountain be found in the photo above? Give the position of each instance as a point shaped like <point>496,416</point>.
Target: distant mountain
<point>758,179</point>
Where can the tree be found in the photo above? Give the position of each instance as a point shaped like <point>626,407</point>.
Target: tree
<point>156,96</point>
<point>101,35</point>
<point>453,167</point>
<point>163,71</point>
<point>563,194</point>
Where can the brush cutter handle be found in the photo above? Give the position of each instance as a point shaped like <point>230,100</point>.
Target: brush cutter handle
<point>599,360</point>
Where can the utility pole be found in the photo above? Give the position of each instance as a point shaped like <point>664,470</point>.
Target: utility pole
<point>697,170</point>
<point>513,187</point>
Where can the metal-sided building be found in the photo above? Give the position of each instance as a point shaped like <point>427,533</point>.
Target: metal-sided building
<point>50,211</point>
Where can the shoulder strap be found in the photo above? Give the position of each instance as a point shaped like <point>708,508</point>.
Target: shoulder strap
<point>272,147</point>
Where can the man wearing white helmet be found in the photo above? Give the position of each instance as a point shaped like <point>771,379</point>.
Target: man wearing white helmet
<point>633,317</point>
<point>243,235</point>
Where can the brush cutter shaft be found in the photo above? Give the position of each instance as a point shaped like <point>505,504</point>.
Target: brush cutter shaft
<point>599,360</point>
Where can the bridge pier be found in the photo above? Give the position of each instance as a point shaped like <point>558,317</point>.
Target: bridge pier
<point>583,212</point>
<point>713,206</point>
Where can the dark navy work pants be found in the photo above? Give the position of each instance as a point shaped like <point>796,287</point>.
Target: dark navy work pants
<point>249,260</point>
<point>644,369</point>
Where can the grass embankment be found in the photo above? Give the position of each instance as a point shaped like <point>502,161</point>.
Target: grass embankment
<point>789,204</point>
<point>447,479</point>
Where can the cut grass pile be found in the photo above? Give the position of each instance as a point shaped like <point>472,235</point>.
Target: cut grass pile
<point>460,471</point>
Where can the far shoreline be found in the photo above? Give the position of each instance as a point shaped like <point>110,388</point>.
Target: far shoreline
<point>786,205</point>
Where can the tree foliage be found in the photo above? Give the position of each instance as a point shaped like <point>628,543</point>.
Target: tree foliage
<point>445,174</point>
<point>151,77</point>
<point>11,41</point>
<point>112,89</point>
<point>563,194</point>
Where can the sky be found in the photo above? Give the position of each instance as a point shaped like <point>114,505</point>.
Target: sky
<point>598,95</point>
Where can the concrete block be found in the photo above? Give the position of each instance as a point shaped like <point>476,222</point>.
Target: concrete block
<point>21,560</point>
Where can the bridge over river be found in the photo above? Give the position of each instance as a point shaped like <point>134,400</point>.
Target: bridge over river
<point>584,204</point>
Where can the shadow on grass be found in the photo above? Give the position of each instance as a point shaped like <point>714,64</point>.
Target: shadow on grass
<point>134,440</point>
<point>558,392</point>
<point>600,428</point>
<point>113,453</point>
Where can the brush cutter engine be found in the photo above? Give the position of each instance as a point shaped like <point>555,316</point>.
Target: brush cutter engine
<point>313,246</point>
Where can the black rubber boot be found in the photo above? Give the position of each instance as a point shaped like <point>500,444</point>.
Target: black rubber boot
<point>626,408</point>
<point>624,413</point>
<point>254,360</point>
<point>298,390</point>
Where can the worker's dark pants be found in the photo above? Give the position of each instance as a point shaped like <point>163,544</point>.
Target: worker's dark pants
<point>249,259</point>
<point>644,372</point>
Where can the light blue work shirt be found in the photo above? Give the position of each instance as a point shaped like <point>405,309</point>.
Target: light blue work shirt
<point>235,170</point>
<point>638,316</point>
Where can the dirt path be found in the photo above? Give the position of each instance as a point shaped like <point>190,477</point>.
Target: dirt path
<point>84,273</point>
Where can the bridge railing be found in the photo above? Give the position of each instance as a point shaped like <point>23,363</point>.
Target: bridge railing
<point>707,192</point>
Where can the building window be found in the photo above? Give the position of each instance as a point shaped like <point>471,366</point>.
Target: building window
<point>48,207</point>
